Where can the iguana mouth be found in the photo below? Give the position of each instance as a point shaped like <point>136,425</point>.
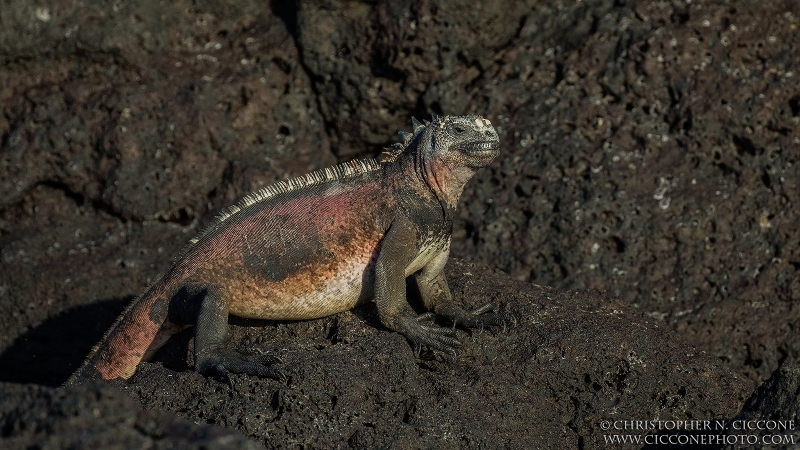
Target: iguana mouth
<point>478,147</point>
<point>478,154</point>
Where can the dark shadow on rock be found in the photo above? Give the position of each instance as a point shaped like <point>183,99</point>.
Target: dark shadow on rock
<point>176,354</point>
<point>49,352</point>
<point>774,412</point>
<point>100,416</point>
<point>287,12</point>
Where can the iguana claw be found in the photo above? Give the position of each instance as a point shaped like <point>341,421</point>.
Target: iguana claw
<point>257,355</point>
<point>224,364</point>
<point>436,337</point>
<point>484,315</point>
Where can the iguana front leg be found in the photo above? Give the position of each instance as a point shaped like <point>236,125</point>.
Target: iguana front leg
<point>398,249</point>
<point>436,296</point>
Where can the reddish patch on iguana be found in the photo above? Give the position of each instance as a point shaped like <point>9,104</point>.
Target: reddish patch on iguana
<point>136,331</point>
<point>305,258</point>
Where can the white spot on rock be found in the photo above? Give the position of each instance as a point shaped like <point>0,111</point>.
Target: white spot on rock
<point>42,14</point>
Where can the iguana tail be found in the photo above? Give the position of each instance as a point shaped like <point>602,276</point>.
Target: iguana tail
<point>139,331</point>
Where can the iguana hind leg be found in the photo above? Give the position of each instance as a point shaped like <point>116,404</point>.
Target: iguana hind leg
<point>207,306</point>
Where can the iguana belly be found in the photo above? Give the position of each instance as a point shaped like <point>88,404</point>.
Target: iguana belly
<point>306,294</point>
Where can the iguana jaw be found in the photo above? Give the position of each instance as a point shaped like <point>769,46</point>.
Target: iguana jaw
<point>478,146</point>
<point>478,154</point>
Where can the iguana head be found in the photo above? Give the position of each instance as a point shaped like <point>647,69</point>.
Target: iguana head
<point>469,141</point>
<point>447,151</point>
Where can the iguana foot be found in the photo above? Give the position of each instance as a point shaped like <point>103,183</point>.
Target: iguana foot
<point>484,315</point>
<point>225,364</point>
<point>434,336</point>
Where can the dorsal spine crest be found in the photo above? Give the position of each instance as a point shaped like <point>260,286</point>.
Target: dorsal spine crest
<point>337,172</point>
<point>391,153</point>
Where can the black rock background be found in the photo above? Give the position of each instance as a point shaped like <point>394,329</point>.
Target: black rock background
<point>650,150</point>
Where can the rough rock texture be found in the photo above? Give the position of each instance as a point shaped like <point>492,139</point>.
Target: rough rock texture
<point>650,149</point>
<point>150,112</point>
<point>99,417</point>
<point>373,64</point>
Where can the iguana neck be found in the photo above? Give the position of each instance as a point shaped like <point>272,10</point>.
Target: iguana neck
<point>435,180</point>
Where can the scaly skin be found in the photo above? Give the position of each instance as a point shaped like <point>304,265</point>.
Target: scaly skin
<point>315,246</point>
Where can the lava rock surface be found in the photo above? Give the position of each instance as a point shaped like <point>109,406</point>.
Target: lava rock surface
<point>649,150</point>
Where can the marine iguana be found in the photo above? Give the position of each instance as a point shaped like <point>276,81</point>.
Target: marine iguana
<point>314,246</point>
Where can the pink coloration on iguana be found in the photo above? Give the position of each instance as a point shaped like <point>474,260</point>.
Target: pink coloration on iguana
<point>314,246</point>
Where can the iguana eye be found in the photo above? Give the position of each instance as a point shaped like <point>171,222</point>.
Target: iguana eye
<point>458,129</point>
